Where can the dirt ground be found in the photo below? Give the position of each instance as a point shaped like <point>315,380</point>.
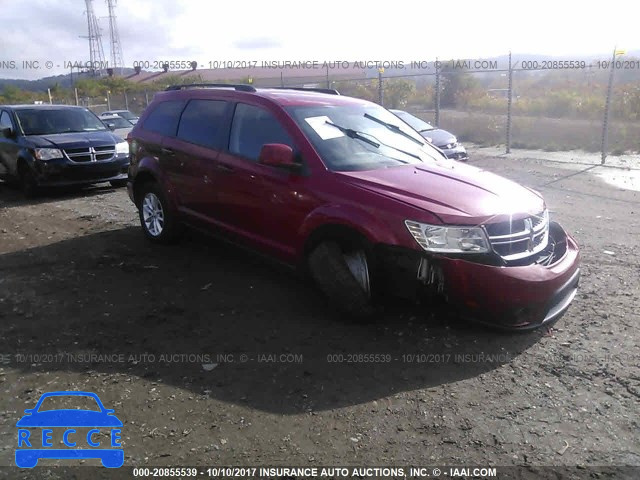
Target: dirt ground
<point>212,356</point>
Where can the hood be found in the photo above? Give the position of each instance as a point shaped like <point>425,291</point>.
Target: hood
<point>74,140</point>
<point>438,137</point>
<point>457,193</point>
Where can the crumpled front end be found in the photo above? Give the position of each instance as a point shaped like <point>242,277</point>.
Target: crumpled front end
<point>503,288</point>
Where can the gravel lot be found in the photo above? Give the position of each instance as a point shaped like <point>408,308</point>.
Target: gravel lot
<point>210,355</point>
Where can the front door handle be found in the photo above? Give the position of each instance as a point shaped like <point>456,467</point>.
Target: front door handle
<point>167,151</point>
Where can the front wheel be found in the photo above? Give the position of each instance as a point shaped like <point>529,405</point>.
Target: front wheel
<point>344,277</point>
<point>28,183</point>
<point>157,220</point>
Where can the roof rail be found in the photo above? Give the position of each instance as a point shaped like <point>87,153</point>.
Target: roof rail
<point>330,91</point>
<point>243,87</point>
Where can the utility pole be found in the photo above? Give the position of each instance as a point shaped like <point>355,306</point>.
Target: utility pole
<point>607,107</point>
<point>380,87</point>
<point>509,104</point>
<point>437,99</point>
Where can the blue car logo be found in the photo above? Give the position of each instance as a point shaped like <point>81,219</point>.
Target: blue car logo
<point>32,447</point>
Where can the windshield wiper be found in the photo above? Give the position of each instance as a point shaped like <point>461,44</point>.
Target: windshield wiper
<point>394,128</point>
<point>361,136</point>
<point>354,134</point>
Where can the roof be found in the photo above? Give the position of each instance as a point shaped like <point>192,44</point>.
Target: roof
<point>282,97</point>
<point>311,98</point>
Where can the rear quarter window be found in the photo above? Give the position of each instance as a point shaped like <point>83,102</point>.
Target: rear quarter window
<point>164,118</point>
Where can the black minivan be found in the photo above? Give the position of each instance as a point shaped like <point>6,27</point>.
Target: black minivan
<point>59,145</point>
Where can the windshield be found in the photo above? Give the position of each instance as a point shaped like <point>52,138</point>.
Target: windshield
<point>361,137</point>
<point>118,122</point>
<point>414,122</point>
<point>64,120</point>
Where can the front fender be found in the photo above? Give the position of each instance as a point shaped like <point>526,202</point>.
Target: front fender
<point>372,227</point>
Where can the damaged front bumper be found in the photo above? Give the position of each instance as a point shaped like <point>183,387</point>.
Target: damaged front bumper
<point>487,289</point>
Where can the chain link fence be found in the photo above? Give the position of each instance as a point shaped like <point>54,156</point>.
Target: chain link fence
<point>517,103</point>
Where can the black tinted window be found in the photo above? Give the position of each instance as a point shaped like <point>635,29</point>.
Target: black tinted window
<point>5,120</point>
<point>164,118</point>
<point>201,121</point>
<point>252,128</point>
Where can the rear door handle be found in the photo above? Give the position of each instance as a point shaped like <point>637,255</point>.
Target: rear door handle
<point>225,168</point>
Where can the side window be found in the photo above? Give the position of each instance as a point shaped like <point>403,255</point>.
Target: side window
<point>253,127</point>
<point>164,118</point>
<point>201,121</point>
<point>5,120</point>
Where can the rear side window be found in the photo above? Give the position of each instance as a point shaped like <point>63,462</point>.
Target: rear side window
<point>252,128</point>
<point>201,122</point>
<point>164,118</point>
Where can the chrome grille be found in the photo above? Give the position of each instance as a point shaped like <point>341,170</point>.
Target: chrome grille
<point>521,238</point>
<point>91,154</point>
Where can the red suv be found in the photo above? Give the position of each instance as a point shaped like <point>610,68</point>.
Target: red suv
<point>344,189</point>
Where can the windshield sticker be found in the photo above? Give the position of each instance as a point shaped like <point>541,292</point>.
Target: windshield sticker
<point>323,129</point>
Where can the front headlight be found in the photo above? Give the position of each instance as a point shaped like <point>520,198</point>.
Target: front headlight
<point>122,148</point>
<point>47,153</point>
<point>444,239</point>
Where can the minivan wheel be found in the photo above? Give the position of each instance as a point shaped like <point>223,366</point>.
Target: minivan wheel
<point>28,183</point>
<point>344,278</point>
<point>156,218</point>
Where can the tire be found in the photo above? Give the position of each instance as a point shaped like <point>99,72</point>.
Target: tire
<point>329,268</point>
<point>28,183</point>
<point>156,218</point>
<point>118,183</point>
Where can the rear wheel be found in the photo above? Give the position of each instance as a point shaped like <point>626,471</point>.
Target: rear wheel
<point>343,274</point>
<point>157,220</point>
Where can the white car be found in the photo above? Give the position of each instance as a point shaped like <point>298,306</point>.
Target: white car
<point>126,114</point>
<point>117,125</point>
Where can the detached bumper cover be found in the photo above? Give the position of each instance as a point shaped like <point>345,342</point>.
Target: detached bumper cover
<point>508,297</point>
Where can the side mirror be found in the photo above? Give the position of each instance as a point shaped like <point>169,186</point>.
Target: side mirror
<point>6,132</point>
<point>277,155</point>
<point>111,126</point>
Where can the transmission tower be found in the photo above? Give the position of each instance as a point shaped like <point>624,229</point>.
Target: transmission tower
<point>117,62</point>
<point>96,53</point>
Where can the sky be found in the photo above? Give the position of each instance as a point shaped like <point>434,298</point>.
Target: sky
<point>321,30</point>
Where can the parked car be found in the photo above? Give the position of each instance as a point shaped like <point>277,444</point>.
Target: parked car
<point>343,189</point>
<point>58,145</point>
<point>126,114</point>
<point>118,125</point>
<point>445,141</point>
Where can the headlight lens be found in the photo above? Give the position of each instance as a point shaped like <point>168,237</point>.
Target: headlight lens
<point>122,148</point>
<point>47,153</point>
<point>444,239</point>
